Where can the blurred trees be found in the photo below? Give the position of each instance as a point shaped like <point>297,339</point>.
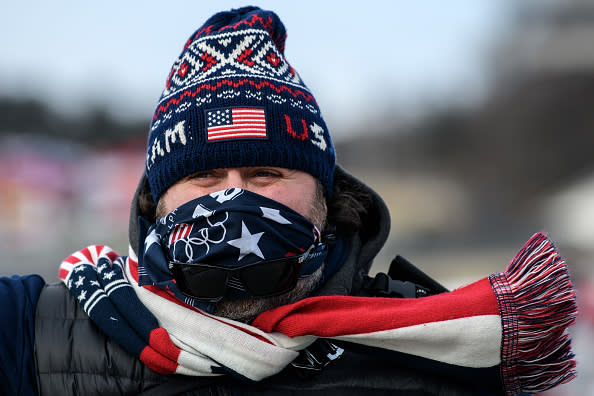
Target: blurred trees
<point>96,125</point>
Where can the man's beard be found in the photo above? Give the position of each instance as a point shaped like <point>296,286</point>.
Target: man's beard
<point>247,310</point>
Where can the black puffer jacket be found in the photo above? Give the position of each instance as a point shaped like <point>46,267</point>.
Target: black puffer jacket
<point>74,358</point>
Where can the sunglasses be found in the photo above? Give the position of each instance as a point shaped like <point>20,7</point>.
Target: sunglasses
<point>205,282</point>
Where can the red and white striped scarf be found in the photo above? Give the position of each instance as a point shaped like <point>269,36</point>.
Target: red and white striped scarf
<point>516,320</point>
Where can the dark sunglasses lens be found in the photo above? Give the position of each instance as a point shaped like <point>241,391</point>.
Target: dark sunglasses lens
<point>270,278</point>
<point>201,282</point>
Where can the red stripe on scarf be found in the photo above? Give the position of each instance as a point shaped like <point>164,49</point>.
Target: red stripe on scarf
<point>62,273</point>
<point>112,255</point>
<point>72,259</point>
<point>161,354</point>
<point>343,315</point>
<point>87,253</point>
<point>156,362</point>
<point>159,339</point>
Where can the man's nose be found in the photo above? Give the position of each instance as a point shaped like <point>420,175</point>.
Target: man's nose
<point>235,179</point>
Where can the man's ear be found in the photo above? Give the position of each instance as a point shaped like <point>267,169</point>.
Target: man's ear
<point>146,205</point>
<point>142,205</point>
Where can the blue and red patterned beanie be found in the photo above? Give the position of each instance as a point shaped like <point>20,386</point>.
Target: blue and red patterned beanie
<point>232,100</point>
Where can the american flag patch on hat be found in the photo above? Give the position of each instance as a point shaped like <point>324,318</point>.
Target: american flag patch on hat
<point>233,123</point>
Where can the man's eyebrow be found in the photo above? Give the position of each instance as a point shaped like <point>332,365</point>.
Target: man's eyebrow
<point>201,171</point>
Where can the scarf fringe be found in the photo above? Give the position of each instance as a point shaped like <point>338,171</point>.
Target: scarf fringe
<point>538,304</point>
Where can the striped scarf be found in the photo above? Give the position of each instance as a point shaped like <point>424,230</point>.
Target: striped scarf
<point>515,321</point>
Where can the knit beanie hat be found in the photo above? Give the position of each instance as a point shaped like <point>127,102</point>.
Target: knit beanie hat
<point>232,100</point>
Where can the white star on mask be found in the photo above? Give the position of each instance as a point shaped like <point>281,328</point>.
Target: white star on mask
<point>151,239</point>
<point>248,243</point>
<point>274,214</point>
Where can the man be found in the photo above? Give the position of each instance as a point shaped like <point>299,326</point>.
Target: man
<point>240,216</point>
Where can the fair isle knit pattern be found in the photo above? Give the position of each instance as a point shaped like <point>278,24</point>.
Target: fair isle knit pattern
<point>232,100</point>
<point>514,321</point>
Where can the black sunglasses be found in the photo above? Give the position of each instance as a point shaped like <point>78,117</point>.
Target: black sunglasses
<point>205,282</point>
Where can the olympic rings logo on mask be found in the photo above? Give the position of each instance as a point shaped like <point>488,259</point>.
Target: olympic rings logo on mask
<point>201,237</point>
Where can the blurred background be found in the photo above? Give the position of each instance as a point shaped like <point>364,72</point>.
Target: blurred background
<point>472,120</point>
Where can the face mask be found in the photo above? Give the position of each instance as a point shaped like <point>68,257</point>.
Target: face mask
<point>234,244</point>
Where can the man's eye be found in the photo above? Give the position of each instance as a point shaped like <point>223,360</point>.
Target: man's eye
<point>202,175</point>
<point>265,173</point>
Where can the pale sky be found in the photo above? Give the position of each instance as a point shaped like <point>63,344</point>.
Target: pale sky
<point>356,57</point>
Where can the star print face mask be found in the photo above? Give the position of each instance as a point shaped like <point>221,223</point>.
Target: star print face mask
<point>232,243</point>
